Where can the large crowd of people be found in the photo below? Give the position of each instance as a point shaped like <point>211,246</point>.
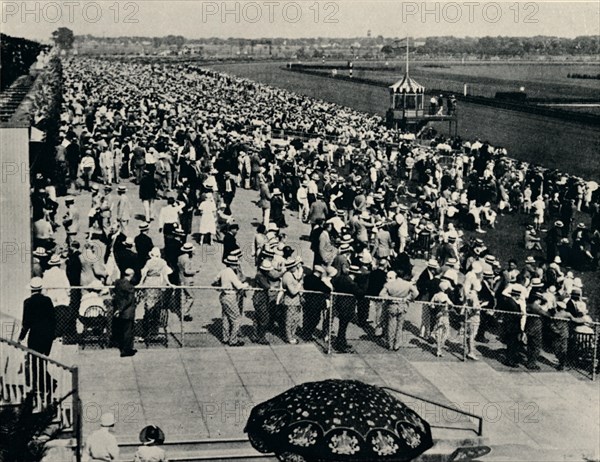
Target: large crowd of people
<point>372,204</point>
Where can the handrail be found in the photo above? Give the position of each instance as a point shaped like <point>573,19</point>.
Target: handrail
<point>35,353</point>
<point>479,430</point>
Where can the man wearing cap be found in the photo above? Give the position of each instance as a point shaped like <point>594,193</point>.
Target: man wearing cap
<point>143,243</point>
<point>168,218</point>
<point>122,208</point>
<point>399,293</point>
<point>537,309</point>
<point>487,300</point>
<point>555,234</point>
<point>318,210</point>
<point>326,250</point>
<point>186,272</point>
<point>316,301</point>
<point>427,285</point>
<point>125,257</point>
<point>264,201</point>
<point>268,280</point>
<point>124,312</point>
<point>230,240</point>
<point>345,306</point>
<point>229,283</point>
<point>291,285</point>
<point>101,445</point>
<point>447,250</point>
<point>511,324</point>
<point>39,319</point>
<point>71,219</point>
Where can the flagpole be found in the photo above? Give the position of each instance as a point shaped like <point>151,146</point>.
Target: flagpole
<point>407,56</point>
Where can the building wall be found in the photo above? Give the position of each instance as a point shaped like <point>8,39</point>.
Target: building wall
<point>15,226</point>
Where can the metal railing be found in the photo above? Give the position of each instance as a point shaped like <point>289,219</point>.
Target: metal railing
<point>478,419</point>
<point>192,316</point>
<point>26,371</point>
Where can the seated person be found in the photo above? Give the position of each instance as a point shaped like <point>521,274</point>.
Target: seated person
<point>94,295</point>
<point>531,241</point>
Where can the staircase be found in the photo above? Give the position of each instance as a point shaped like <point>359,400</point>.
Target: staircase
<point>12,97</point>
<point>24,371</point>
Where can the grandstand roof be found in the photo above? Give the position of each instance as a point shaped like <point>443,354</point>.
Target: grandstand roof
<point>407,85</point>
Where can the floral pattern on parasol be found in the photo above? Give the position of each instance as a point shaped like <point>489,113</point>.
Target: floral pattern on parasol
<point>341,420</point>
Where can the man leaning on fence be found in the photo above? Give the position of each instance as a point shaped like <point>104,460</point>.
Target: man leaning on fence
<point>124,312</point>
<point>230,284</point>
<point>400,293</point>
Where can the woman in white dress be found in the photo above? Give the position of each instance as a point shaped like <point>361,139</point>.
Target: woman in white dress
<point>208,220</point>
<point>155,276</point>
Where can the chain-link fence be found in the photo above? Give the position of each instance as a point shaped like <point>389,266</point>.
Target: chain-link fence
<point>335,323</point>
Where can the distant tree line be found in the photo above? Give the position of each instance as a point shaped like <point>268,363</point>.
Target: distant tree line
<point>584,76</point>
<point>504,46</point>
<point>316,47</point>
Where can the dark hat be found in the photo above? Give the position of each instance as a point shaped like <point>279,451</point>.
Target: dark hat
<point>69,200</point>
<point>144,226</point>
<point>122,189</point>
<point>152,434</point>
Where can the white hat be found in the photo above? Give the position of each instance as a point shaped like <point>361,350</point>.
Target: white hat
<point>107,420</point>
<point>35,283</point>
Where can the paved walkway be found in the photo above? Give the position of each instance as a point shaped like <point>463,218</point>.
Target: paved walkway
<point>208,392</point>
<point>201,393</point>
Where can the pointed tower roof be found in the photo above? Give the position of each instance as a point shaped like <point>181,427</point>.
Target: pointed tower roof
<point>407,85</point>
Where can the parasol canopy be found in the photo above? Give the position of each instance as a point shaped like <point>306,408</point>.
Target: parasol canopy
<point>407,85</point>
<point>341,420</point>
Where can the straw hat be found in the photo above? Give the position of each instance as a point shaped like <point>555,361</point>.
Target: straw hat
<point>107,420</point>
<point>35,283</point>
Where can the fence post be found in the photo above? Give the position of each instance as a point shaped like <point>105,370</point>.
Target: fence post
<point>181,321</point>
<point>76,413</point>
<point>464,357</point>
<point>595,355</point>
<point>330,324</point>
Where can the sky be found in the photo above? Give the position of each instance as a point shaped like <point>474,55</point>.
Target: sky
<point>301,18</point>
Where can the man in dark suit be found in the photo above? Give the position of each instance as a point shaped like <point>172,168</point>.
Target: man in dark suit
<point>229,188</point>
<point>143,244</point>
<point>39,320</point>
<point>229,240</point>
<point>127,258</point>
<point>124,314</point>
<point>345,306</point>
<point>315,301</point>
<point>187,211</point>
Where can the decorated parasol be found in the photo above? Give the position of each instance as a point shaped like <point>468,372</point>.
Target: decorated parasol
<point>341,420</point>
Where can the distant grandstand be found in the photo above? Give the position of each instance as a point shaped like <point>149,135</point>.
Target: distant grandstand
<point>17,56</point>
